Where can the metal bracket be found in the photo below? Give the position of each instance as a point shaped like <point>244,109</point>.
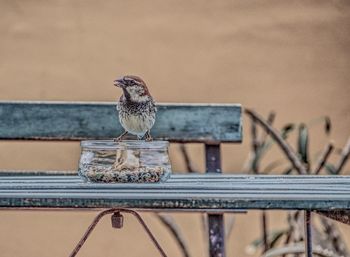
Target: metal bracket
<point>117,222</point>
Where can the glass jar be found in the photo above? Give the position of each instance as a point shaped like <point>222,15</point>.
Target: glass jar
<point>129,161</point>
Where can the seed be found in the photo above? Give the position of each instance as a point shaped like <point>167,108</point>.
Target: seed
<point>104,174</point>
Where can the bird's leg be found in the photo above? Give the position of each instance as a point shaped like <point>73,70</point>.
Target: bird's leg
<point>148,136</point>
<point>120,137</point>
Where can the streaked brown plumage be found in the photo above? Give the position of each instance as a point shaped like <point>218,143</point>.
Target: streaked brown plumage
<point>137,111</point>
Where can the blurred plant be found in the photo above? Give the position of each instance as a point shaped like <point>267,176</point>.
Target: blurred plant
<point>175,231</point>
<point>327,239</point>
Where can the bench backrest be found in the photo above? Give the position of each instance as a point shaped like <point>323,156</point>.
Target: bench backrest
<point>205,123</point>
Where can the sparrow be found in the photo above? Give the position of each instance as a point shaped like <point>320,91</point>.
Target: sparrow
<point>137,110</point>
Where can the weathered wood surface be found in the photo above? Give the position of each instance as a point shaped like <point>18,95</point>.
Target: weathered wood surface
<point>85,120</point>
<point>190,191</point>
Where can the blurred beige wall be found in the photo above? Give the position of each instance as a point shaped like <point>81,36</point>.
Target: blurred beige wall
<point>288,56</point>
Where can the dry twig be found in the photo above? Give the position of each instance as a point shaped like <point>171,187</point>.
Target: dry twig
<point>342,216</point>
<point>257,145</point>
<point>170,224</point>
<point>255,142</point>
<point>323,157</point>
<point>334,237</point>
<point>299,249</point>
<point>270,119</point>
<point>187,159</point>
<point>344,157</point>
<point>287,149</point>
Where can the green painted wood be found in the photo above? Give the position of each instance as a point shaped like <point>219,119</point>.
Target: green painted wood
<point>85,120</point>
<point>181,192</point>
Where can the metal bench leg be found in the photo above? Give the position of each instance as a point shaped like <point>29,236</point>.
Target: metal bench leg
<point>215,221</point>
<point>308,233</point>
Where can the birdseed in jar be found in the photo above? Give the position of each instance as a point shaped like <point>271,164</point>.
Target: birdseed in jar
<point>102,174</point>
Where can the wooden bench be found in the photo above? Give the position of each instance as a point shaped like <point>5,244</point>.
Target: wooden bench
<point>214,193</point>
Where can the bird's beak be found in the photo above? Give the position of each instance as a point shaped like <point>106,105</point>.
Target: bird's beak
<point>118,83</point>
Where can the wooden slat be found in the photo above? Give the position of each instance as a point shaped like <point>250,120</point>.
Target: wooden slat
<point>195,192</point>
<point>85,120</point>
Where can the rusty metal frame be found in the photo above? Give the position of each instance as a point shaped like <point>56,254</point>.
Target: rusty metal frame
<point>308,234</point>
<point>216,225</point>
<point>116,211</point>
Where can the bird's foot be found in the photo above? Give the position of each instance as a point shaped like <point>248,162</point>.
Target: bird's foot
<point>148,137</point>
<point>118,139</point>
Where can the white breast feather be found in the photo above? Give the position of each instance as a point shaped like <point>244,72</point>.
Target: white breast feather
<point>136,125</point>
